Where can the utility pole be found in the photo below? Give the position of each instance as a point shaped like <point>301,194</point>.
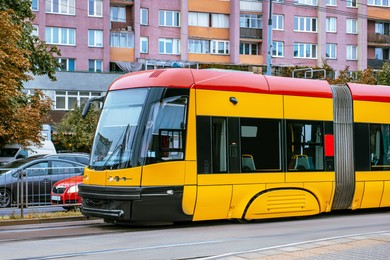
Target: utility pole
<point>269,44</point>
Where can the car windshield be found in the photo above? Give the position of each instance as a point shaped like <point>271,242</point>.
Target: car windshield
<point>12,165</point>
<point>113,143</point>
<point>8,152</point>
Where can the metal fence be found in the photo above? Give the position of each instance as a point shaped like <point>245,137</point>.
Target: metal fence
<point>39,187</point>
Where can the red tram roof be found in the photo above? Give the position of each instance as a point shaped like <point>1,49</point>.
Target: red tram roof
<point>244,82</point>
<point>363,92</point>
<point>223,80</point>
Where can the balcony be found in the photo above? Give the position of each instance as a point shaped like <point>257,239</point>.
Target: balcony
<point>122,2</point>
<point>250,33</point>
<point>376,63</point>
<point>376,39</point>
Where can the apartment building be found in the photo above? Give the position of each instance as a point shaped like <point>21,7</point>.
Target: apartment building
<point>99,38</point>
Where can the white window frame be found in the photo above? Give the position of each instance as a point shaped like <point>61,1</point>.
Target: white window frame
<point>60,36</point>
<point>35,30</point>
<point>198,19</point>
<point>122,39</point>
<point>219,47</point>
<point>254,21</point>
<point>95,8</point>
<point>97,65</point>
<point>198,46</point>
<point>164,44</point>
<point>305,50</point>
<point>351,52</point>
<point>95,38</point>
<point>66,61</point>
<point>144,16</point>
<point>351,26</point>
<point>219,20</point>
<point>118,14</point>
<point>331,51</point>
<point>250,47</point>
<point>169,18</point>
<point>351,3</point>
<point>383,3</point>
<point>35,5</point>
<point>277,49</point>
<point>63,7</point>
<point>305,24</point>
<point>79,96</point>
<point>306,2</point>
<point>331,2</point>
<point>144,44</point>
<point>331,24</point>
<point>278,22</point>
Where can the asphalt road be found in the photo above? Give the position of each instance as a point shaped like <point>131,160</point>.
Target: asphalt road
<point>94,239</point>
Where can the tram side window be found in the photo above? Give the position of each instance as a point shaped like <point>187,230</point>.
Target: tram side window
<point>305,147</point>
<point>260,145</point>
<point>380,147</point>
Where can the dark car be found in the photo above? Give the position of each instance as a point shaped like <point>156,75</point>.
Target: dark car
<point>36,176</point>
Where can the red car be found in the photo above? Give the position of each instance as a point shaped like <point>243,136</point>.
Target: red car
<point>65,192</point>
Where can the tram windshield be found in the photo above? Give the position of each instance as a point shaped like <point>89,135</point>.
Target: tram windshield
<point>119,120</point>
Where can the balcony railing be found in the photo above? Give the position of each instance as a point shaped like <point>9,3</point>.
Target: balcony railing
<point>251,33</point>
<point>378,38</point>
<point>376,63</point>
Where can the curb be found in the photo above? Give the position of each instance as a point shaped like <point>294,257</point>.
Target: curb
<point>42,220</point>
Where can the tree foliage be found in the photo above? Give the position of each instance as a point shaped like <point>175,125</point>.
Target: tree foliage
<point>22,53</point>
<point>384,74</point>
<point>76,133</point>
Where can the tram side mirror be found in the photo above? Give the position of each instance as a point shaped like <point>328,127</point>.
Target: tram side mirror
<point>88,104</point>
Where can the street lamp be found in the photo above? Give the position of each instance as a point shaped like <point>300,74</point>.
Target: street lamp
<point>269,44</point>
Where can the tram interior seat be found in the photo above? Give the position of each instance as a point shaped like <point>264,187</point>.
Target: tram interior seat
<point>247,163</point>
<point>300,162</point>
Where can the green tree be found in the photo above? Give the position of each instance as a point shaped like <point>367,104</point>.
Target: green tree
<point>366,77</point>
<point>22,53</point>
<point>76,133</point>
<point>384,74</point>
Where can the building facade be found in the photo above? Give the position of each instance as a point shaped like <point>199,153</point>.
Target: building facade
<point>100,37</point>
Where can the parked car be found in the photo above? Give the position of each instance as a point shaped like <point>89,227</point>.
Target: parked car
<point>65,192</point>
<point>11,152</point>
<point>37,176</point>
<point>76,157</point>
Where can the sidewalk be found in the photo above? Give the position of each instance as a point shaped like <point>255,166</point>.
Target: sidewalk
<point>370,246</point>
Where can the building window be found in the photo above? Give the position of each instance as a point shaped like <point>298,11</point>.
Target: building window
<point>95,65</point>
<point>305,50</point>
<point>351,3</point>
<point>277,49</point>
<point>351,52</point>
<point>382,28</point>
<point>35,30</point>
<point>66,64</point>
<point>331,2</point>
<point>331,24</point>
<point>67,100</point>
<point>60,36</point>
<point>352,26</point>
<point>305,24</point>
<point>169,18</point>
<point>122,39</point>
<point>249,48</point>
<point>385,3</point>
<point>277,22</point>
<point>198,46</point>
<point>306,2</point>
<point>118,14</point>
<point>382,53</point>
<point>168,46</point>
<point>331,51</point>
<point>198,19</point>
<point>219,47</point>
<point>60,6</point>
<point>251,21</point>
<point>219,20</point>
<point>95,38</point>
<point>144,16</point>
<point>144,44</point>
<point>34,5</point>
<point>95,8</point>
